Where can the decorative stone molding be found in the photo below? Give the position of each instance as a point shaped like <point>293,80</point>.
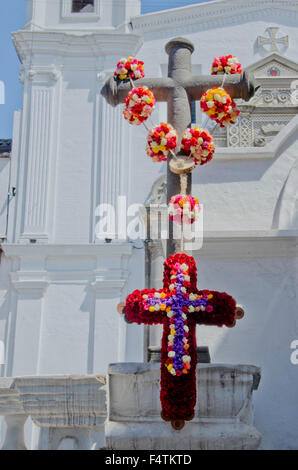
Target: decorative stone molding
<point>114,171</point>
<point>273,40</point>
<point>63,44</point>
<point>223,414</point>
<point>213,13</point>
<point>44,74</point>
<point>22,284</point>
<point>38,152</point>
<point>249,244</point>
<point>65,400</point>
<point>270,110</point>
<point>288,69</point>
<point>107,270</point>
<point>69,406</point>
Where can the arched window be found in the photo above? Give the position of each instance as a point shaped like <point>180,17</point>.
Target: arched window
<point>82,6</point>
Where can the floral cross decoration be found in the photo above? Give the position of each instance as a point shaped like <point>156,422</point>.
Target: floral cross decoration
<point>180,306</point>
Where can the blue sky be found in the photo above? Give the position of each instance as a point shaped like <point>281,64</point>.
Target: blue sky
<point>12,18</point>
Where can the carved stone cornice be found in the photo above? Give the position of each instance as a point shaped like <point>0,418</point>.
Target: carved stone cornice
<point>31,281</point>
<point>214,12</point>
<point>62,44</point>
<point>105,269</point>
<point>248,244</point>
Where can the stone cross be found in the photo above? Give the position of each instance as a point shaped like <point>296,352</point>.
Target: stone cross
<point>179,306</point>
<point>179,90</point>
<point>273,40</point>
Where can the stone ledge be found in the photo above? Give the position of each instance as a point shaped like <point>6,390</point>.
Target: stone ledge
<point>223,413</point>
<point>160,436</point>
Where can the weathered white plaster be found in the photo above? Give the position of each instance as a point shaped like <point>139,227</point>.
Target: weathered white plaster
<point>58,296</point>
<point>12,409</point>
<point>223,414</point>
<point>61,407</point>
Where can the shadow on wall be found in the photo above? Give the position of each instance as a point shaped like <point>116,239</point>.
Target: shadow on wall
<point>263,338</point>
<point>88,306</point>
<point>286,210</point>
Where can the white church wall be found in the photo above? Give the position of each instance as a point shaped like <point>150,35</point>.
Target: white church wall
<point>5,267</point>
<point>261,274</point>
<point>76,156</point>
<point>62,304</point>
<point>4,184</point>
<point>245,195</point>
<point>58,15</point>
<point>238,194</point>
<point>58,299</point>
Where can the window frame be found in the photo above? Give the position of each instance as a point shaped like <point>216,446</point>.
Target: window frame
<point>68,14</point>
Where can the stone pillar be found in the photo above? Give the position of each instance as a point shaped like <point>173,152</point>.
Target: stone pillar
<point>39,148</point>
<point>156,263</point>
<point>114,148</point>
<point>14,438</point>
<point>29,286</point>
<point>15,417</point>
<point>65,407</point>
<point>109,329</point>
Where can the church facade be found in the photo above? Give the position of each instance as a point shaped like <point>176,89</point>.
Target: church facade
<point>61,278</point>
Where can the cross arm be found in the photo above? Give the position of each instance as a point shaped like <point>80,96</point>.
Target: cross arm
<point>223,310</point>
<point>115,91</point>
<point>136,312</point>
<point>238,86</point>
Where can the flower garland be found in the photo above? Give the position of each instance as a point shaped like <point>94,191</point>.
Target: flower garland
<point>161,140</point>
<point>179,306</point>
<point>219,106</point>
<point>139,105</point>
<point>227,64</point>
<point>129,68</point>
<point>198,144</point>
<point>183,209</point>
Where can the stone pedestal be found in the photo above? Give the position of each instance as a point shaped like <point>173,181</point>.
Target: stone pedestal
<point>63,407</point>
<point>223,415</point>
<point>69,407</point>
<point>15,416</point>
